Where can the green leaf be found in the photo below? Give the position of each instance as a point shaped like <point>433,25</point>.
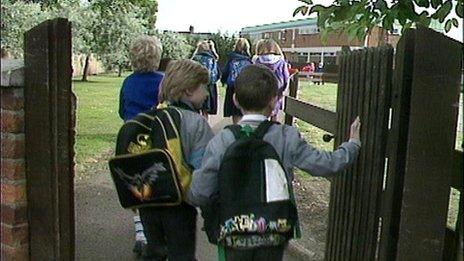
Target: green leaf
<point>455,22</point>
<point>448,25</point>
<point>443,11</point>
<point>424,18</point>
<point>422,3</point>
<point>436,3</point>
<point>308,2</point>
<point>381,5</point>
<point>460,10</point>
<point>301,9</point>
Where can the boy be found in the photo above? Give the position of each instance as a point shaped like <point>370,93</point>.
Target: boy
<point>139,93</point>
<point>184,87</point>
<point>256,93</point>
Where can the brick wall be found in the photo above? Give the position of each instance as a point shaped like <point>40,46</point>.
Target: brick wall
<point>14,222</point>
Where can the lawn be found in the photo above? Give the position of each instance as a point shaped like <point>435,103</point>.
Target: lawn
<point>97,116</point>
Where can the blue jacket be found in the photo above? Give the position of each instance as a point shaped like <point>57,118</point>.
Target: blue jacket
<point>139,93</point>
<point>207,60</point>
<point>228,69</point>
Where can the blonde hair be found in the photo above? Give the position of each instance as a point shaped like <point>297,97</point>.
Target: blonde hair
<point>182,75</point>
<point>242,46</point>
<point>206,46</point>
<point>268,46</point>
<point>145,53</point>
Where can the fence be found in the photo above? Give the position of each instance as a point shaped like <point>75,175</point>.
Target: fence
<point>393,202</point>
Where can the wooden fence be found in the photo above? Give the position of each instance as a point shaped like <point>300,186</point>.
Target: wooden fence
<point>393,202</point>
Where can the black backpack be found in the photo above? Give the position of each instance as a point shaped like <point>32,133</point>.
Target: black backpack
<point>149,167</point>
<point>255,206</point>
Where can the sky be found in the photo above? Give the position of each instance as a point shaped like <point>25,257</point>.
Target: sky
<point>229,16</point>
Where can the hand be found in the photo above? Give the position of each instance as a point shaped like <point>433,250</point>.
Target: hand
<point>354,129</point>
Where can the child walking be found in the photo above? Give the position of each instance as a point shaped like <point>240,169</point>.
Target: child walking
<point>183,87</point>
<point>268,53</point>
<point>238,59</point>
<point>139,93</point>
<point>206,55</point>
<point>256,93</point>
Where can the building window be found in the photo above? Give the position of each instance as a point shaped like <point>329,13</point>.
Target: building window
<point>282,35</point>
<point>308,30</point>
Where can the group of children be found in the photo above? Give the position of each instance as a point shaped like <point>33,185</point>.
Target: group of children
<point>254,91</point>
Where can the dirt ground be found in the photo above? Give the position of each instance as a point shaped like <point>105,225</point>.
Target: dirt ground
<point>313,208</point>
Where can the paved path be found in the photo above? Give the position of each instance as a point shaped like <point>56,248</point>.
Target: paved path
<point>105,231</point>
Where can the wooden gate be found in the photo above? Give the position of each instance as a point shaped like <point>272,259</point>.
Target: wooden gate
<point>392,203</point>
<point>49,132</point>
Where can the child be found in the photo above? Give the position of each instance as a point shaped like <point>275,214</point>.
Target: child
<point>256,92</point>
<point>238,59</point>
<point>139,90</point>
<point>139,93</point>
<point>184,87</point>
<point>269,54</point>
<point>206,55</point>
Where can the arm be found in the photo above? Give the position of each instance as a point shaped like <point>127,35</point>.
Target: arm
<point>323,163</point>
<point>205,179</point>
<point>202,134</point>
<point>286,75</point>
<point>121,110</point>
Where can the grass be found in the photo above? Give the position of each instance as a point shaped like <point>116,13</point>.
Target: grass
<point>97,116</point>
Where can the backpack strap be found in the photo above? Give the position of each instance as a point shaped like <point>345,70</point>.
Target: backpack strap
<point>235,129</point>
<point>263,128</point>
<point>258,133</point>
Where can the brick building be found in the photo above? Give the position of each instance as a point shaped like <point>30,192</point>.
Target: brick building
<point>301,40</point>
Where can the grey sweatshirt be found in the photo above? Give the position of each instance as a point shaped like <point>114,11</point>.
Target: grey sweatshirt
<point>292,149</point>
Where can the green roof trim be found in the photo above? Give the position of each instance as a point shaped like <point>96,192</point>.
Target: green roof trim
<point>279,26</point>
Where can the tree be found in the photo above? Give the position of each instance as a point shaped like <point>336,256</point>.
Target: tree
<point>175,46</point>
<point>113,37</point>
<point>224,46</point>
<point>82,19</point>
<point>358,17</point>
<point>17,18</point>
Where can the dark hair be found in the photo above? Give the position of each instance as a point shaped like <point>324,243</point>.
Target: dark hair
<point>255,87</point>
<point>164,64</point>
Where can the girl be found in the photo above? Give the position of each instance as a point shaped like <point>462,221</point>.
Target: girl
<point>269,54</point>
<point>206,55</point>
<point>238,59</point>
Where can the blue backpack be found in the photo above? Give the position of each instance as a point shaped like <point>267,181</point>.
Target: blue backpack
<point>210,64</point>
<point>236,66</point>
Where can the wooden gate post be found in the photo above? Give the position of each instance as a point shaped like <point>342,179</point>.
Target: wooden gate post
<point>430,145</point>
<point>49,131</point>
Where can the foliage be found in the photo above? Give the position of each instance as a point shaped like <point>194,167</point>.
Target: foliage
<point>224,46</point>
<point>97,119</point>
<point>82,20</point>
<point>17,18</point>
<point>358,17</point>
<point>175,46</point>
<point>122,24</point>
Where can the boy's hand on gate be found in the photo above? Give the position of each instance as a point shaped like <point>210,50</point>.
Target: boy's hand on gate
<point>354,129</point>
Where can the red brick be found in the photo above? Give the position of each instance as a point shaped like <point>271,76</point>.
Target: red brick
<point>14,214</point>
<point>12,146</point>
<point>13,193</point>
<point>13,169</point>
<point>12,98</point>
<point>20,253</point>
<point>12,121</point>
<point>15,236</point>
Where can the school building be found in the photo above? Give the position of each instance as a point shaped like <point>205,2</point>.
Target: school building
<point>301,43</point>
